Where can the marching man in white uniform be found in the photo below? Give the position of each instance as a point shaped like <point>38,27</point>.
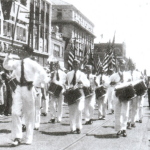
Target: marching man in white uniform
<point>28,73</point>
<point>122,102</point>
<point>133,105</point>
<point>103,83</point>
<point>109,91</point>
<point>90,99</point>
<point>75,79</point>
<point>56,103</point>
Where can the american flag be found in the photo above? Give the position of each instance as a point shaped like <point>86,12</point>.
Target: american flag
<point>109,60</point>
<point>85,57</point>
<point>71,57</point>
<point>91,61</point>
<point>99,65</point>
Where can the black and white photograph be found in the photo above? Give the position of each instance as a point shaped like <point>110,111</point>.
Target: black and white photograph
<point>75,74</point>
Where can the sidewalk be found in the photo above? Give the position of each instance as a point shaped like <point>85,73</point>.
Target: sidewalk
<point>98,136</point>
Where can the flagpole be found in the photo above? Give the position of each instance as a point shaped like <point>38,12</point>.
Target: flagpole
<point>13,35</point>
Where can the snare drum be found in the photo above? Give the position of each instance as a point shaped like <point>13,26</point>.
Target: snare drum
<point>87,91</point>
<point>13,84</point>
<point>125,93</point>
<point>140,88</point>
<point>55,89</point>
<point>100,91</point>
<point>71,96</point>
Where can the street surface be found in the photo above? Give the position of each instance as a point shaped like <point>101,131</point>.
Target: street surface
<point>98,136</point>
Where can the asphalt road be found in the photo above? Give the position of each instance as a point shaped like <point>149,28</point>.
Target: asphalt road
<point>98,136</point>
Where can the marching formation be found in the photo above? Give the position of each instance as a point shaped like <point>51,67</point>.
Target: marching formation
<point>33,87</point>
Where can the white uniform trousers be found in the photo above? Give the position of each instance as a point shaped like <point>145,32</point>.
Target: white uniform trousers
<point>45,104</point>
<point>75,113</point>
<point>38,96</point>
<point>23,104</point>
<point>109,97</point>
<point>89,107</point>
<point>121,114</point>
<point>133,108</point>
<point>102,106</point>
<point>56,107</point>
<point>140,100</point>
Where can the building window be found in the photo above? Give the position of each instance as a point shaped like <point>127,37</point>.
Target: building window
<point>56,50</point>
<point>47,19</point>
<point>23,2</point>
<point>5,28</point>
<point>21,34</point>
<point>59,14</point>
<point>42,32</point>
<point>42,16</point>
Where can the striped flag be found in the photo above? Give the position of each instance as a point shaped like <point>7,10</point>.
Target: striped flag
<point>91,61</point>
<point>85,57</point>
<point>71,57</point>
<point>99,65</point>
<point>109,60</point>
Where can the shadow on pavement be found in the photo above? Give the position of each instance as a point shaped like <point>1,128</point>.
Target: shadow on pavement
<point>64,124</point>
<point>5,131</point>
<point>108,127</point>
<point>107,136</point>
<point>65,117</point>
<point>5,121</point>
<point>5,145</point>
<point>55,133</point>
<point>103,136</point>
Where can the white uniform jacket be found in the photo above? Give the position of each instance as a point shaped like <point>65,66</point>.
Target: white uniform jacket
<point>62,78</point>
<point>80,77</point>
<point>32,70</point>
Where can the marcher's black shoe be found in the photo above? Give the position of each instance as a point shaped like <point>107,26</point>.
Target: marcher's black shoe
<point>44,114</point>
<point>100,118</point>
<point>103,117</point>
<point>87,123</point>
<point>133,125</point>
<point>140,121</point>
<point>90,121</point>
<point>16,142</point>
<point>112,111</point>
<point>78,131</point>
<point>119,133</point>
<point>128,125</point>
<point>73,132</point>
<point>124,133</point>
<point>23,128</point>
<point>52,121</point>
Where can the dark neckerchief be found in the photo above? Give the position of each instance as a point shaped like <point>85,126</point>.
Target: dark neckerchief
<point>22,78</point>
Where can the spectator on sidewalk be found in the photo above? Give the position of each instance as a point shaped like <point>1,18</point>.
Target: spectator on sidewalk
<point>8,94</point>
<point>148,91</point>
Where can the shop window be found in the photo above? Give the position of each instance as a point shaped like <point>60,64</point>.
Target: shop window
<point>5,28</point>
<point>56,50</point>
<point>59,14</point>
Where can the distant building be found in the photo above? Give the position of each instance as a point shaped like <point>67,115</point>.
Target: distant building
<point>74,26</point>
